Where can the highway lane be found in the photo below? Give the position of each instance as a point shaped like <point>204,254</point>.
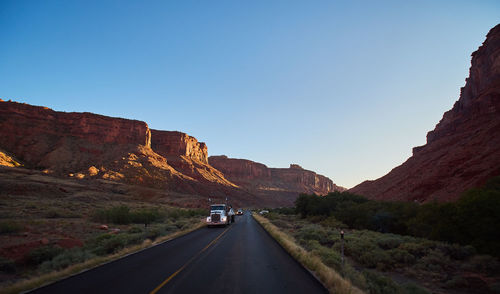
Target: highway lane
<point>241,258</point>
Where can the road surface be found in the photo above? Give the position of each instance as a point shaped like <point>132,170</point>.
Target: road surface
<point>241,258</point>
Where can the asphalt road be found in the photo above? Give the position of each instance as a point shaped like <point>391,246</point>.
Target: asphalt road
<point>241,258</point>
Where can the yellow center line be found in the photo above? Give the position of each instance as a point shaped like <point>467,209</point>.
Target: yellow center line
<point>187,263</point>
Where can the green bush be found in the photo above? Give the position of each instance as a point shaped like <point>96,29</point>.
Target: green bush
<point>42,254</point>
<point>402,256</point>
<point>65,259</point>
<point>379,284</point>
<point>122,215</point>
<point>313,232</point>
<point>472,220</point>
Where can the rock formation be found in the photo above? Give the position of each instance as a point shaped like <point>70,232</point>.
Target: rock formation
<point>185,154</point>
<point>258,177</point>
<point>91,146</point>
<point>463,151</point>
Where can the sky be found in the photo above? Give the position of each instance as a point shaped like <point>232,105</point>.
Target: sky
<point>343,88</point>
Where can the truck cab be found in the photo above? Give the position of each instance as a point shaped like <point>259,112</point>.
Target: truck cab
<point>219,215</point>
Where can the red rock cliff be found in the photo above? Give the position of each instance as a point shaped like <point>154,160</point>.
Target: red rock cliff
<point>168,143</point>
<point>256,176</point>
<point>91,145</point>
<point>463,151</point>
<point>33,134</point>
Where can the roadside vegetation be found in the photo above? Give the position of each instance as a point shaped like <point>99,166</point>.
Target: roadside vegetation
<point>393,247</point>
<point>116,231</point>
<point>472,220</point>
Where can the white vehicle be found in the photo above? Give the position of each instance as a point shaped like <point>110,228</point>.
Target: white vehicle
<point>220,215</point>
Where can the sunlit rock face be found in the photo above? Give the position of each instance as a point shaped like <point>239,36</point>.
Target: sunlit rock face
<point>44,138</point>
<point>188,156</point>
<point>84,145</point>
<point>91,146</point>
<point>168,143</point>
<point>463,151</point>
<point>258,177</point>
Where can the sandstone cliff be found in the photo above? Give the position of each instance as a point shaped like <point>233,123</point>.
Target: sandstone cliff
<point>463,151</point>
<point>185,154</point>
<point>94,147</point>
<point>259,178</point>
<point>87,145</point>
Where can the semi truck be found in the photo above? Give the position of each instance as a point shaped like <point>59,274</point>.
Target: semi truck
<point>220,215</point>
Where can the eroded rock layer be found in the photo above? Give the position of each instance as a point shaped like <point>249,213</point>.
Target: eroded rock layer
<point>463,151</point>
<point>258,177</point>
<point>91,146</point>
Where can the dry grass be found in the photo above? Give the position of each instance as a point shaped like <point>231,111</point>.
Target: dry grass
<point>330,278</point>
<point>51,277</point>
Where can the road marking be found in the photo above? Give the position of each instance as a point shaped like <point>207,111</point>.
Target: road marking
<point>187,263</point>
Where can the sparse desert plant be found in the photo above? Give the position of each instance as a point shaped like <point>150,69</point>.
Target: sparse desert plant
<point>65,259</point>
<point>330,278</point>
<point>379,284</point>
<point>42,254</point>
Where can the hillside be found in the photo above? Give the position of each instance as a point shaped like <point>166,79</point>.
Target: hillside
<point>257,177</point>
<point>92,147</point>
<point>463,151</point>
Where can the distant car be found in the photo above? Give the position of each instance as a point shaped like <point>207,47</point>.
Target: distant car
<point>239,212</point>
<point>264,211</point>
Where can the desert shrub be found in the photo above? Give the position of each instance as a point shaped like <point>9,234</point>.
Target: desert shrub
<point>135,230</point>
<point>7,266</point>
<point>285,210</point>
<point>169,228</point>
<point>146,216</point>
<point>8,227</point>
<point>389,241</point>
<point>435,261</point>
<point>281,223</point>
<point>416,249</point>
<point>106,243</point>
<point>117,215</point>
<point>332,222</point>
<point>456,251</point>
<point>375,259</point>
<point>469,221</point>
<point>44,253</point>
<point>65,259</point>
<point>178,213</point>
<point>154,233</point>
<point>122,215</point>
<point>329,257</point>
<point>356,245</point>
<point>402,256</point>
<point>312,232</point>
<point>379,284</point>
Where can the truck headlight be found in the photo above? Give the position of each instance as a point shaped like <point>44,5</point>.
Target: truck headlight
<point>209,219</point>
<point>224,218</point>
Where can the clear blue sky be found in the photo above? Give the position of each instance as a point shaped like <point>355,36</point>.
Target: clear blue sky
<point>344,88</point>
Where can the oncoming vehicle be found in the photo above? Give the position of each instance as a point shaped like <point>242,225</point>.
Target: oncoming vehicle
<point>219,215</point>
<point>239,212</point>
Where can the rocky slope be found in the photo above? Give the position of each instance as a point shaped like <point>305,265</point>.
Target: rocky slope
<point>463,151</point>
<point>257,177</point>
<point>91,147</point>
